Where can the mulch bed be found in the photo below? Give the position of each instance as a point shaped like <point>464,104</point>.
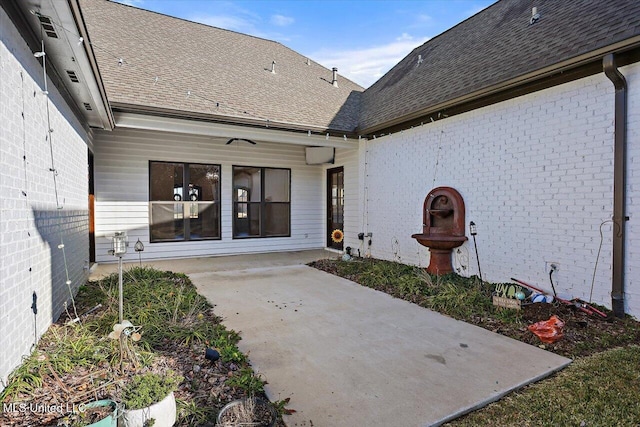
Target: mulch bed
<point>204,384</point>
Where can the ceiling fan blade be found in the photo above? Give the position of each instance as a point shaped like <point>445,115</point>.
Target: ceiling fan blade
<point>240,139</point>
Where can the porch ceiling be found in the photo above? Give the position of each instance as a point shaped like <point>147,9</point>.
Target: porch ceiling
<point>192,127</point>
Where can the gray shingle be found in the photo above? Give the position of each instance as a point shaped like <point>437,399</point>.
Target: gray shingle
<point>495,46</point>
<point>228,73</point>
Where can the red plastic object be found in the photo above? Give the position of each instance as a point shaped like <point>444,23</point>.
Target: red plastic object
<point>549,331</point>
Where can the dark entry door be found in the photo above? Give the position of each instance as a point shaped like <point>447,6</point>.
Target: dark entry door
<point>335,205</point>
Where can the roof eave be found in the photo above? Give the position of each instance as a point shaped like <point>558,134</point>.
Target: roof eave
<point>524,79</point>
<point>90,65</point>
<point>226,130</point>
<point>231,120</point>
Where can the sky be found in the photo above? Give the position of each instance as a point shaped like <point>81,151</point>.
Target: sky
<point>363,39</point>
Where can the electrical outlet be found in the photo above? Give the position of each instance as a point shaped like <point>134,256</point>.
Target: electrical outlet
<point>551,266</point>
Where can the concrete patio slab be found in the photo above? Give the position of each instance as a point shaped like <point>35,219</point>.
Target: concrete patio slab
<point>216,263</point>
<point>351,356</point>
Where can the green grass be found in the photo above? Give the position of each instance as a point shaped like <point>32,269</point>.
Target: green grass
<point>167,306</point>
<point>453,295</point>
<point>600,390</point>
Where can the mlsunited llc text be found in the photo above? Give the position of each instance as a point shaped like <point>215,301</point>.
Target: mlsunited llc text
<point>41,408</point>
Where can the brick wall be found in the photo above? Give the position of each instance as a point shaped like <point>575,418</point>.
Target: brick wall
<point>31,223</point>
<point>536,175</point>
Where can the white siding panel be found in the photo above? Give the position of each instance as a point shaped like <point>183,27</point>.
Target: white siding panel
<point>122,191</point>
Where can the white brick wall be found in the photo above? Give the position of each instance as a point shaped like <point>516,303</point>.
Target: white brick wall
<point>31,225</point>
<point>536,175</point>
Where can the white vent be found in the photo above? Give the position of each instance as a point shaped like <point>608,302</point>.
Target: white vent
<point>87,106</point>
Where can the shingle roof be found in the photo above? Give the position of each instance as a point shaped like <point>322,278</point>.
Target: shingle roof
<point>494,46</point>
<point>228,74</point>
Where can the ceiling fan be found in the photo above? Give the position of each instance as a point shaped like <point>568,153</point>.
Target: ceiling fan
<point>240,139</point>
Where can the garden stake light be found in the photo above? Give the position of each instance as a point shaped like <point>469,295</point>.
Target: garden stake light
<point>139,247</point>
<point>474,231</point>
<point>119,248</point>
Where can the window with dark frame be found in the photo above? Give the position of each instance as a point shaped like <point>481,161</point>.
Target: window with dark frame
<point>261,202</point>
<point>184,201</point>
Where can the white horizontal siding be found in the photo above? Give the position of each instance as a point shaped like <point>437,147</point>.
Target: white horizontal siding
<point>122,191</point>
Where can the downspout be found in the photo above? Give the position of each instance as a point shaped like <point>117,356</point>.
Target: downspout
<point>619,185</point>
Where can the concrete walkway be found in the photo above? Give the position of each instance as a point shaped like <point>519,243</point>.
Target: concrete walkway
<point>347,355</point>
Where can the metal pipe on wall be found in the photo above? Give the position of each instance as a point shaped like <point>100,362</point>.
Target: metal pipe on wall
<point>619,182</point>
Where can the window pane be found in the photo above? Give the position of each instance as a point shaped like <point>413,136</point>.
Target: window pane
<point>247,178</point>
<point>166,181</point>
<point>242,210</point>
<point>204,184</point>
<point>276,185</point>
<point>246,221</point>
<point>167,221</point>
<point>205,221</point>
<point>276,219</point>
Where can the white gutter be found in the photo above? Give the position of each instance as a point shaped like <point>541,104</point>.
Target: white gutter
<point>219,130</point>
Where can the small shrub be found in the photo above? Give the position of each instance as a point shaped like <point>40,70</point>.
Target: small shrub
<point>147,389</point>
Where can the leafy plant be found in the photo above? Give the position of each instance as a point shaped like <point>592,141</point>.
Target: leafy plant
<point>281,407</point>
<point>149,388</point>
<point>247,380</point>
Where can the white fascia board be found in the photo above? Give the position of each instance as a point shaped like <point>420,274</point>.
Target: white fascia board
<point>220,130</point>
<point>90,79</point>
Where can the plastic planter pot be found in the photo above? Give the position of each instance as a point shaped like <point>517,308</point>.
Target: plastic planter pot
<point>110,420</point>
<point>231,415</point>
<point>163,412</point>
